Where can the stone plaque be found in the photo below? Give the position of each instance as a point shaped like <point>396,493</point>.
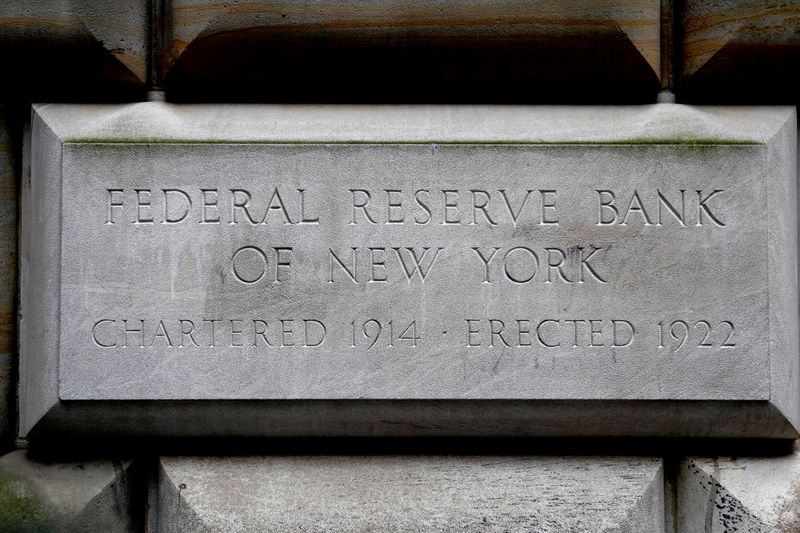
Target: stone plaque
<point>267,270</point>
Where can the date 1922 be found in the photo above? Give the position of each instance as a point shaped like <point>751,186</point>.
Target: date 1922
<point>679,334</point>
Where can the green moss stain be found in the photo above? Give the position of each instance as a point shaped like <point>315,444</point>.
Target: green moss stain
<point>21,508</point>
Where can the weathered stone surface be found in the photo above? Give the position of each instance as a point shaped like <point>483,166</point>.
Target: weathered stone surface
<point>8,278</point>
<point>443,51</point>
<point>423,493</point>
<point>161,220</point>
<point>71,497</point>
<point>56,50</point>
<point>739,494</point>
<point>741,50</point>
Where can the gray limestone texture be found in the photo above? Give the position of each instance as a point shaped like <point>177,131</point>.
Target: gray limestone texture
<point>739,494</point>
<point>75,497</point>
<point>434,270</point>
<point>422,493</point>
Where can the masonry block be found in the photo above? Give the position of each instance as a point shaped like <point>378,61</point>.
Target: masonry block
<point>740,51</point>
<point>98,495</point>
<point>442,51</point>
<point>422,493</point>
<point>75,49</point>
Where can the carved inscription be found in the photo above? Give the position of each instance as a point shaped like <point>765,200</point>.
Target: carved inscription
<point>534,262</point>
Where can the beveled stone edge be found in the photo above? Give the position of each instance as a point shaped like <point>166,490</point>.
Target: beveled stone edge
<point>247,419</point>
<point>156,122</point>
<point>40,293</point>
<point>784,317</point>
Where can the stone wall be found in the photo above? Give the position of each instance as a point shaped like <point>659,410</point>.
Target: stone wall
<point>470,52</point>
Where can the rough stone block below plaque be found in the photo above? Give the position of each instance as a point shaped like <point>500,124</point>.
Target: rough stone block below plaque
<point>421,493</point>
<point>252,271</point>
<point>99,495</point>
<point>412,51</point>
<point>739,494</point>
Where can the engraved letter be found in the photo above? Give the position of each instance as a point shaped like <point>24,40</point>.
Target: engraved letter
<point>557,266</point>
<point>486,261</point>
<point>476,206</point>
<point>394,200</point>
<point>608,204</point>
<point>362,205</point>
<point>615,343</point>
<point>188,332</point>
<point>280,262</point>
<point>523,331</point>
<point>586,267</point>
<point>209,202</point>
<point>351,271</point>
<point>236,330</point>
<point>304,218</point>
<point>142,203</point>
<point>575,329</point>
<point>548,205</point>
<point>678,216</point>
<point>377,257</point>
<point>424,206</point>
<point>515,216</point>
<point>262,333</point>
<point>496,328</point>
<point>636,206</point>
<point>448,206</point>
<point>240,257</point>
<point>471,332</point>
<point>539,333</point>
<point>595,331</point>
<point>273,206</point>
<point>186,206</point>
<point>112,204</point>
<point>286,333</point>
<point>127,330</point>
<point>703,208</point>
<point>212,321</point>
<point>321,333</point>
<point>506,259</point>
<point>161,331</point>
<point>94,334</point>
<point>239,204</point>
<point>416,262</point>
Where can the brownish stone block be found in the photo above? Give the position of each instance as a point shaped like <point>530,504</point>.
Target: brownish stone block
<point>447,50</point>
<point>741,51</point>
<point>73,49</point>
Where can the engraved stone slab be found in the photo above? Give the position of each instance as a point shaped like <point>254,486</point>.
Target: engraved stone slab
<point>268,270</point>
<point>423,493</point>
